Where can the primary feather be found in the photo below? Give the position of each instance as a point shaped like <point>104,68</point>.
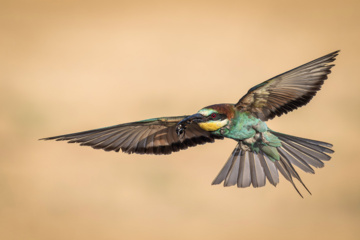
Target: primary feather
<point>288,91</point>
<point>152,136</point>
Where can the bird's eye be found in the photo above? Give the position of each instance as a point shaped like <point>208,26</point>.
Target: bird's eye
<point>213,115</point>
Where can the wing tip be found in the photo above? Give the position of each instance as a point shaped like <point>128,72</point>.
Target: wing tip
<point>49,138</point>
<point>332,56</point>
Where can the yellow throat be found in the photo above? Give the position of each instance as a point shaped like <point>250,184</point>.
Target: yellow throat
<point>213,125</point>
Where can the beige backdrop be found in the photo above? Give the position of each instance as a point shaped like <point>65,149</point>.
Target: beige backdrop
<point>69,66</point>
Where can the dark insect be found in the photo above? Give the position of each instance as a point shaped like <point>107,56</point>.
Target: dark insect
<point>180,130</point>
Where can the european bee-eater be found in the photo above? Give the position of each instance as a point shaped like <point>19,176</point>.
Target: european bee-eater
<point>260,152</point>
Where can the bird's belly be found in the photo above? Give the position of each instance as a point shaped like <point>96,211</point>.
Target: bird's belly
<point>242,133</point>
<point>246,129</point>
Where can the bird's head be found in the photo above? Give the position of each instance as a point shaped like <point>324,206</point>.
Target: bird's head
<point>210,118</point>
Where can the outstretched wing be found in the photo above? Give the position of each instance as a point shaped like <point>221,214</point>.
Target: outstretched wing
<point>151,136</point>
<point>287,91</point>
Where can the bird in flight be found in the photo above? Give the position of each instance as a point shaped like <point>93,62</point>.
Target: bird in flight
<point>260,154</point>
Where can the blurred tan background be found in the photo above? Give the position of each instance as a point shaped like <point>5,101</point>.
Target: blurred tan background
<point>68,66</point>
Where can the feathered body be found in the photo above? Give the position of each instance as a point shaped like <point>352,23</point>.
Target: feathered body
<point>260,154</point>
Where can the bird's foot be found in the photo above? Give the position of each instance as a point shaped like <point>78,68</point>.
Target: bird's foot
<point>264,139</point>
<point>244,147</point>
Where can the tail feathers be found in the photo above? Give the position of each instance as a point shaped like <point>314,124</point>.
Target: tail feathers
<point>245,168</point>
<point>228,165</point>
<point>304,151</point>
<point>269,169</point>
<point>285,171</point>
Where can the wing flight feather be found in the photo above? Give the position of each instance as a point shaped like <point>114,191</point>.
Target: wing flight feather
<point>288,91</point>
<point>152,136</point>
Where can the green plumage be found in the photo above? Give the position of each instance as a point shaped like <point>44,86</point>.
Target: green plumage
<point>253,133</point>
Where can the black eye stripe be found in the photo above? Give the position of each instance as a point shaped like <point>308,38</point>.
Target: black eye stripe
<point>217,117</point>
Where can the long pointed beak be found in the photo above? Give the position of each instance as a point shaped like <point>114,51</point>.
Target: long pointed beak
<point>197,117</point>
<point>181,126</point>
